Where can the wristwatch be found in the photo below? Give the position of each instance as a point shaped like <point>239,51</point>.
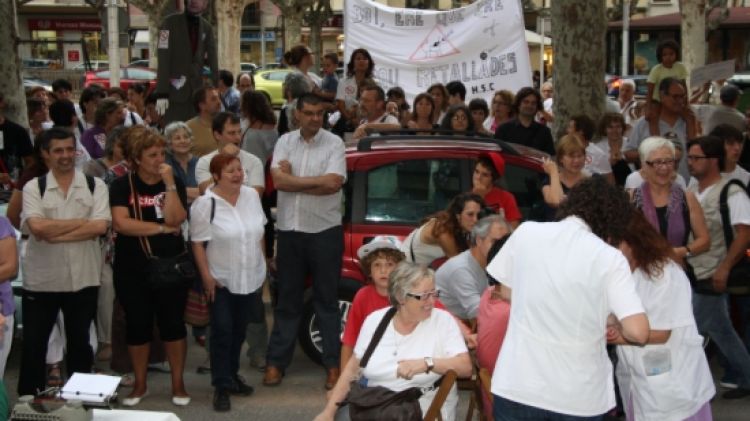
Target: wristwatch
<point>430,364</point>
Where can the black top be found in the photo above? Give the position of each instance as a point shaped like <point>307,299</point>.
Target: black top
<point>661,215</point>
<point>14,146</point>
<point>129,255</point>
<point>550,213</point>
<point>537,135</point>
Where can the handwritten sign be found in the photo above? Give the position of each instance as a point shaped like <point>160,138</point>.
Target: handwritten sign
<point>710,72</point>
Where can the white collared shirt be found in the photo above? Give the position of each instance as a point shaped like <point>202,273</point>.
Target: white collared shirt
<point>565,281</point>
<point>251,166</point>
<point>235,257</point>
<point>323,154</point>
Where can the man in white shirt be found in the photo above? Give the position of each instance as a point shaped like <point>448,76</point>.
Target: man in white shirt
<point>462,279</point>
<point>705,159</point>
<point>563,280</point>
<point>226,131</point>
<point>308,169</point>
<point>372,101</point>
<point>597,161</point>
<point>627,102</point>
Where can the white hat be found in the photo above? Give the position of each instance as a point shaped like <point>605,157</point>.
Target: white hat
<point>379,242</point>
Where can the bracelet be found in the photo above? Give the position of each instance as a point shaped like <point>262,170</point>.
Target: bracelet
<point>172,187</point>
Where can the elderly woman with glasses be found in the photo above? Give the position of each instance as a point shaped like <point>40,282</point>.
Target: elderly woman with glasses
<point>671,210</point>
<point>419,345</point>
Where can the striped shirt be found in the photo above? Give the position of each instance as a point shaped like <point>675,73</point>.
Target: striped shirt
<point>324,154</point>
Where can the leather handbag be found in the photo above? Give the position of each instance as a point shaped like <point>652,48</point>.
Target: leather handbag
<point>164,272</point>
<point>377,402</point>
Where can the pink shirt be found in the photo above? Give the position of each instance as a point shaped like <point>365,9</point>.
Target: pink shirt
<point>492,323</point>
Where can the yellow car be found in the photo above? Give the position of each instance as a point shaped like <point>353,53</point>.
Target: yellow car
<point>269,83</point>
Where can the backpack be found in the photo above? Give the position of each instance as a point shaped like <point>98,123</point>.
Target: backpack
<point>42,184</point>
<point>739,276</point>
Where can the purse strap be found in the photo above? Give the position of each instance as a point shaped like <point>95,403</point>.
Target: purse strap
<point>137,213</point>
<point>377,336</point>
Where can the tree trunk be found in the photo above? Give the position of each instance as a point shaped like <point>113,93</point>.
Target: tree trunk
<point>578,28</point>
<point>11,84</point>
<point>316,16</point>
<point>229,27</point>
<point>293,12</point>
<point>693,32</point>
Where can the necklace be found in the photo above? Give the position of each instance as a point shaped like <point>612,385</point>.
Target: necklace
<point>398,340</point>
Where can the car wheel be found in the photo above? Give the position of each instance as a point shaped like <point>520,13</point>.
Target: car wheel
<point>309,333</point>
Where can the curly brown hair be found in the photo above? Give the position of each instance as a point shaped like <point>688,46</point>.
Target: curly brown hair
<point>604,207</point>
<point>138,138</point>
<point>393,255</point>
<point>447,220</point>
<point>650,249</point>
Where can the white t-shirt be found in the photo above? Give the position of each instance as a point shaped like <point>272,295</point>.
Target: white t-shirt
<point>635,179</point>
<point>597,161</point>
<point>739,204</point>
<point>235,257</point>
<point>739,173</point>
<point>436,337</point>
<point>251,165</point>
<point>565,282</point>
<point>679,392</point>
<point>347,91</point>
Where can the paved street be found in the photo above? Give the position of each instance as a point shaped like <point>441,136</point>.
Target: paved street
<point>300,397</point>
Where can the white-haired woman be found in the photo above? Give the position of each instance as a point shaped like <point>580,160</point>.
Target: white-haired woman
<point>420,344</point>
<point>671,210</point>
<point>180,157</point>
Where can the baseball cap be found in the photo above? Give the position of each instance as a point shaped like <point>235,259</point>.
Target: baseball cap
<point>729,93</point>
<point>379,242</point>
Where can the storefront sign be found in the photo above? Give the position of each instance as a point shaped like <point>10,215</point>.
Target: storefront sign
<point>483,45</point>
<point>64,24</point>
<point>74,55</point>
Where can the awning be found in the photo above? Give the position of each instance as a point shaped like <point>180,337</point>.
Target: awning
<point>535,39</point>
<point>738,16</point>
<point>141,37</point>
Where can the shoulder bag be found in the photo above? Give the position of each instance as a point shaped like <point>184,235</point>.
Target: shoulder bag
<point>377,402</point>
<point>164,272</point>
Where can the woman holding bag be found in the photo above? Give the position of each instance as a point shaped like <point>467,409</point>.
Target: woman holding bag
<point>419,344</point>
<point>148,206</point>
<point>226,228</point>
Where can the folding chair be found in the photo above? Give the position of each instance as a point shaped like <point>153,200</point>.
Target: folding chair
<point>480,389</point>
<point>433,412</point>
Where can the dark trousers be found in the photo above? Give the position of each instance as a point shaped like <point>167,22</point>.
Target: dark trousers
<point>298,255</point>
<point>508,410</point>
<point>40,311</point>
<point>230,314</point>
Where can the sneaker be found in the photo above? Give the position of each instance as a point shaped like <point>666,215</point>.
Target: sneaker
<point>239,387</point>
<point>738,393</point>
<point>221,400</point>
<point>728,381</point>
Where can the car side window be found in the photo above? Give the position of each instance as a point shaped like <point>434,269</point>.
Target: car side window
<point>526,186</point>
<point>407,191</point>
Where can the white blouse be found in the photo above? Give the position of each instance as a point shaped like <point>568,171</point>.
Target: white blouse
<point>235,258</point>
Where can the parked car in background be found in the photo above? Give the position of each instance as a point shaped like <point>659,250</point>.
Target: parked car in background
<point>269,83</point>
<point>271,66</point>
<point>394,181</point>
<point>37,63</point>
<point>95,65</point>
<point>139,63</point>
<point>248,67</point>
<point>30,82</point>
<point>128,76</point>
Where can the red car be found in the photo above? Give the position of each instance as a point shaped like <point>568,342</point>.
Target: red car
<point>128,76</point>
<point>395,181</point>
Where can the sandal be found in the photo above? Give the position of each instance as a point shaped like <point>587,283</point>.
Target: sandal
<point>54,375</point>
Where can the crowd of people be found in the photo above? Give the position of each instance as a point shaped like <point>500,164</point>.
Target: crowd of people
<point>633,251</point>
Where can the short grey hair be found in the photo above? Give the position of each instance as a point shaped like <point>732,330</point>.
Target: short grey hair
<point>629,82</point>
<point>652,143</point>
<point>296,85</point>
<point>173,127</point>
<point>404,278</point>
<point>111,142</point>
<point>482,228</point>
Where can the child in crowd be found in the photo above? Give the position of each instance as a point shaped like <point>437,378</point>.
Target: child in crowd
<point>668,55</point>
<point>377,258</point>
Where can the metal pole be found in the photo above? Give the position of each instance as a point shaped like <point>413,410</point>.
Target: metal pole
<point>625,37</point>
<point>113,50</point>
<point>262,37</point>
<point>541,51</point>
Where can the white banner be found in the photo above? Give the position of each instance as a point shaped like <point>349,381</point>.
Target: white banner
<point>483,45</point>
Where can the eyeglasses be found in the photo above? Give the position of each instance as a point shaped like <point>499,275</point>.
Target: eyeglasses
<point>660,163</point>
<point>696,157</point>
<point>425,295</point>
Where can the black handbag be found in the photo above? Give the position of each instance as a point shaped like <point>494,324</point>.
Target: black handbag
<point>738,282</point>
<point>377,402</point>
<point>164,272</point>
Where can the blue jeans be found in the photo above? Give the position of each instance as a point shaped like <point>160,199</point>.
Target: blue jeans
<point>712,317</point>
<point>230,314</point>
<point>299,255</point>
<point>508,410</point>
